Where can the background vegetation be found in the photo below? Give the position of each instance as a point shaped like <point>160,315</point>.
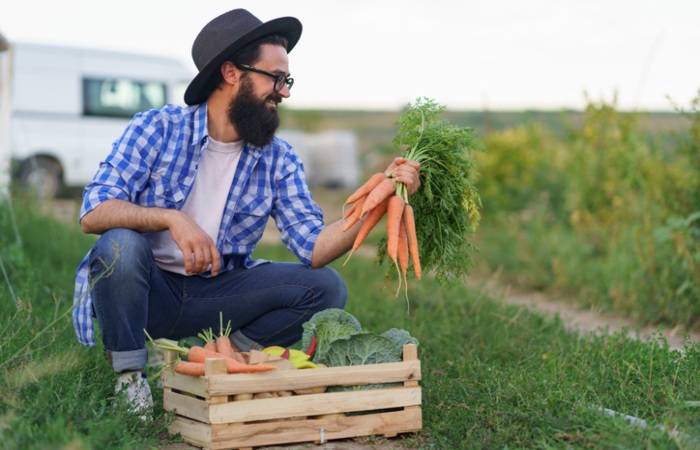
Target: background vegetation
<point>608,215</point>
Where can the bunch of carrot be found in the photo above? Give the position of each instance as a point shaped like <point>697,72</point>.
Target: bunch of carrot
<point>382,196</point>
<point>196,355</point>
<point>446,206</point>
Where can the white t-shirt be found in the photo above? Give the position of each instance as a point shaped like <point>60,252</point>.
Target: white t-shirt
<point>205,203</point>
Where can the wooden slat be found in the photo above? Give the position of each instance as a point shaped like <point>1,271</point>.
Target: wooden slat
<point>296,431</point>
<point>286,380</point>
<point>311,405</point>
<point>193,408</point>
<point>290,380</point>
<point>194,385</point>
<point>193,432</point>
<point>288,407</point>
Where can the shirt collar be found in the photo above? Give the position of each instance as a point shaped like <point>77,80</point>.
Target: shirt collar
<point>201,131</point>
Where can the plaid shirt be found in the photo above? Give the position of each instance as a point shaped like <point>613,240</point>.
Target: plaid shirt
<point>154,163</point>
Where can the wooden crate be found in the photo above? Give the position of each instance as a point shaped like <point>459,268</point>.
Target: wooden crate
<point>217,411</point>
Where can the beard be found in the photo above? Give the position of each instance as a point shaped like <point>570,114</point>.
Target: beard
<point>252,118</point>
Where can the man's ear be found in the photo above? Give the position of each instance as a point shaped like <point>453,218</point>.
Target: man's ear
<point>229,72</point>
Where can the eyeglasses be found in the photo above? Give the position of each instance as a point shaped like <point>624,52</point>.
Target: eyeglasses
<point>280,79</point>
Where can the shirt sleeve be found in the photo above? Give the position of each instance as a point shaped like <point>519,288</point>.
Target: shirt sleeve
<point>297,215</point>
<point>125,171</point>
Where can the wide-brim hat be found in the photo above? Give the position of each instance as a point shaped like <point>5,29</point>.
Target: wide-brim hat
<point>224,36</point>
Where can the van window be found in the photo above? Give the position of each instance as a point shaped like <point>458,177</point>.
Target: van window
<point>121,97</point>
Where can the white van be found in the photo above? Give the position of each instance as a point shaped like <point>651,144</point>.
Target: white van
<point>69,104</point>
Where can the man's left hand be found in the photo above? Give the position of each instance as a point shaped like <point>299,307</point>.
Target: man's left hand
<point>406,172</point>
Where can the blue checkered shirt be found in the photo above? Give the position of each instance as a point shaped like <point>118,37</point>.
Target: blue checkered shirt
<point>154,163</point>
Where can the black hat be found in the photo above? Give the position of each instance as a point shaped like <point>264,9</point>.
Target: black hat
<point>225,35</point>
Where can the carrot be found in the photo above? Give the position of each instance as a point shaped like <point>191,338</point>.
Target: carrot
<point>200,354</point>
<point>190,368</point>
<point>372,220</point>
<point>223,341</point>
<point>208,337</point>
<point>410,222</point>
<point>354,206</point>
<point>394,213</point>
<point>402,256</point>
<point>382,191</point>
<point>355,216</point>
<point>402,251</point>
<point>366,188</point>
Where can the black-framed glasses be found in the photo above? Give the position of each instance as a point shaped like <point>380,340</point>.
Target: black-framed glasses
<point>280,79</point>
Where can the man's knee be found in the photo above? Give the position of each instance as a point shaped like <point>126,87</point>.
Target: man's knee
<point>120,249</point>
<point>334,288</point>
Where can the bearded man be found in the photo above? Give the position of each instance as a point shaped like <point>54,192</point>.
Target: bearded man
<point>182,200</point>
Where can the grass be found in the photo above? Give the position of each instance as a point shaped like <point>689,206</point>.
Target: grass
<point>494,375</point>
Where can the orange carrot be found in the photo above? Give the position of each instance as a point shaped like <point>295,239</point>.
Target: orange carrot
<point>223,341</point>
<point>366,188</point>
<point>190,368</point>
<point>402,251</point>
<point>394,213</point>
<point>402,256</point>
<point>354,206</point>
<point>372,220</point>
<point>200,354</point>
<point>382,191</point>
<point>409,219</point>
<point>355,216</point>
<point>208,337</point>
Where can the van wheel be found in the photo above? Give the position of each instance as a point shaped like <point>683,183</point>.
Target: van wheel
<point>42,176</point>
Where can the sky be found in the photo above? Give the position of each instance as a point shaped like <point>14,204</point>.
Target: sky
<point>382,54</point>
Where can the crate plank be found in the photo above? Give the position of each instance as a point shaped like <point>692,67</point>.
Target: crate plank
<point>297,431</point>
<point>313,405</point>
<point>289,380</point>
<point>293,406</point>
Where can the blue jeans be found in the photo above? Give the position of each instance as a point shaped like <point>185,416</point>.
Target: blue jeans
<point>266,305</point>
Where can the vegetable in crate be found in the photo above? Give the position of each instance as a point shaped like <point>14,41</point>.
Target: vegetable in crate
<point>341,341</point>
<point>193,358</point>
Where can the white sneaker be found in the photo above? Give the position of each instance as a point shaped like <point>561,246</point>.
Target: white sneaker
<point>137,391</point>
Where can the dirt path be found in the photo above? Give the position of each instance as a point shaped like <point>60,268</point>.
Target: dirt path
<point>580,320</point>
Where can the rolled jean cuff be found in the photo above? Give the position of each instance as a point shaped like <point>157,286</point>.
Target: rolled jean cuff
<point>244,343</point>
<point>128,360</point>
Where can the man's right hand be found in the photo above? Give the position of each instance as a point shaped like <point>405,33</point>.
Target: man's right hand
<point>198,249</point>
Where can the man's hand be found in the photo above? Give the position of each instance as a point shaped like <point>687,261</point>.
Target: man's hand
<point>198,248</point>
<point>406,172</point>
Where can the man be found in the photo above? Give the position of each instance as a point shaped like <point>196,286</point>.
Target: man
<point>185,195</point>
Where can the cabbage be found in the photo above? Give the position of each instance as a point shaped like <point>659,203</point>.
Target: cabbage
<point>341,341</point>
<point>362,348</point>
<point>328,326</point>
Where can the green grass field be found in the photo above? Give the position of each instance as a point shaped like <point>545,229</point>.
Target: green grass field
<point>494,376</point>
